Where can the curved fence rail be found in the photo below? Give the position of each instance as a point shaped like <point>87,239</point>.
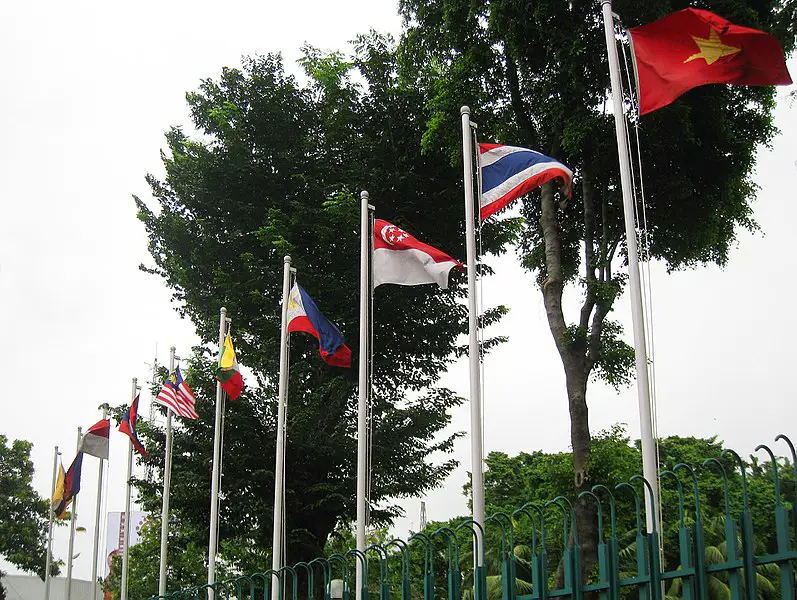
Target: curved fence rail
<point>429,565</point>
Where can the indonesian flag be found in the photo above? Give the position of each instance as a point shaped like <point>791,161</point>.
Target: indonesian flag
<point>401,259</point>
<point>95,442</point>
<point>228,373</point>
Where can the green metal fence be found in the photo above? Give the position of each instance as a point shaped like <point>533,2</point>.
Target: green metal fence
<point>438,565</point>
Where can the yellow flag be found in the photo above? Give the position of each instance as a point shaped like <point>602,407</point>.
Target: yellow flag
<point>60,481</point>
<point>228,354</point>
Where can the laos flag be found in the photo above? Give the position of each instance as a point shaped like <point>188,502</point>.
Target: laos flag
<point>509,172</point>
<point>303,315</point>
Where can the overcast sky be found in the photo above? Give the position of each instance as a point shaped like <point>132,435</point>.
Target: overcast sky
<point>88,90</point>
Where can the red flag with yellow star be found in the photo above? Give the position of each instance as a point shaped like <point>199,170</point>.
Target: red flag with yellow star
<point>694,47</point>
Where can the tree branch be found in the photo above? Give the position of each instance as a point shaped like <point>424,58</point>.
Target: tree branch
<point>589,249</point>
<point>594,340</point>
<point>553,285</point>
<point>606,264</point>
<point>516,98</point>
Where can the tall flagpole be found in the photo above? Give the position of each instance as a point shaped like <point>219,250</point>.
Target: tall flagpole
<point>72,523</point>
<point>95,553</point>
<point>279,468</point>
<point>49,560</point>
<point>214,486</point>
<point>364,389</point>
<point>126,549</point>
<point>476,444</point>
<point>167,482</point>
<point>649,461</point>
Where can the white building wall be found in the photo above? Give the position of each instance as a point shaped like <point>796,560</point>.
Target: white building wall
<point>30,587</point>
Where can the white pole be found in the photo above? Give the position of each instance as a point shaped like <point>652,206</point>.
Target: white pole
<point>126,550</point>
<point>279,468</point>
<point>72,523</point>
<point>167,482</point>
<point>649,462</point>
<point>214,486</point>
<point>362,404</point>
<point>50,529</point>
<point>476,444</point>
<point>95,553</point>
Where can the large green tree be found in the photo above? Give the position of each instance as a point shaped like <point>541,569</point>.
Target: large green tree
<point>23,513</point>
<point>276,169</point>
<point>535,75</point>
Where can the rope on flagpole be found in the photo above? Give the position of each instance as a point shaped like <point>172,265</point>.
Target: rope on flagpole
<point>479,281</point>
<point>293,279</point>
<point>104,521</point>
<point>221,450</point>
<point>370,411</point>
<point>643,238</point>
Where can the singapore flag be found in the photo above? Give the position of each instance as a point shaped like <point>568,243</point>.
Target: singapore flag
<point>401,259</point>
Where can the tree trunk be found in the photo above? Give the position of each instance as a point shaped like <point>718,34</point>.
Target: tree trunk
<point>572,351</point>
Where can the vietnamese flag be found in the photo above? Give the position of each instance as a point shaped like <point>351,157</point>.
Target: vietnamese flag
<point>228,373</point>
<point>694,47</point>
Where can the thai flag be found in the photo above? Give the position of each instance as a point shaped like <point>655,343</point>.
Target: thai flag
<point>508,172</point>
<point>303,315</point>
<point>128,426</point>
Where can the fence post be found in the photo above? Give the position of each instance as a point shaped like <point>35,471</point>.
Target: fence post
<point>405,566</point>
<point>684,542</point>
<point>782,533</point>
<point>604,565</point>
<point>539,562</point>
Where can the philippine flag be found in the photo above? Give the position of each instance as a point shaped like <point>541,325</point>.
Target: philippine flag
<point>303,315</point>
<point>508,172</point>
<point>401,259</point>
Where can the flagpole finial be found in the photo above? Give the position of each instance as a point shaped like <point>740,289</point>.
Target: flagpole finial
<point>287,259</point>
<point>465,110</point>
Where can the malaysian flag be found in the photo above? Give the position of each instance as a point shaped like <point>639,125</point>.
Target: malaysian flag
<point>176,395</point>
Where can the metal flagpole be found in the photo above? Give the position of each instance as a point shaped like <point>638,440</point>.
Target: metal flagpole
<point>279,469</point>
<point>126,549</point>
<point>72,523</point>
<point>476,444</point>
<point>97,521</point>
<point>362,403</point>
<point>649,461</point>
<point>167,482</point>
<point>214,486</point>
<point>50,529</point>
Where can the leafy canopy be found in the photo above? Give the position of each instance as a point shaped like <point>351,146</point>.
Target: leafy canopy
<point>276,169</point>
<point>23,513</point>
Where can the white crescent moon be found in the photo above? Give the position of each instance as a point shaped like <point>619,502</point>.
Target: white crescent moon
<point>384,231</point>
